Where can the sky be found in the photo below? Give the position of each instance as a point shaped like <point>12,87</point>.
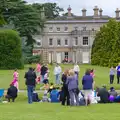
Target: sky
<point>108,6</point>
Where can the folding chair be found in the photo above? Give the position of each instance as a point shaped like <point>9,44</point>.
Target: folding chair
<point>1,94</point>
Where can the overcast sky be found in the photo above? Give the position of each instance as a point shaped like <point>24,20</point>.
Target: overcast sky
<point>108,6</point>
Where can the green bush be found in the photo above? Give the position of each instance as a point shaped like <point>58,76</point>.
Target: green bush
<point>10,50</point>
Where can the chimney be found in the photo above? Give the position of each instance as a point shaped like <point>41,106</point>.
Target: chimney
<point>100,12</point>
<point>69,11</point>
<point>96,9</point>
<point>117,13</point>
<point>84,12</point>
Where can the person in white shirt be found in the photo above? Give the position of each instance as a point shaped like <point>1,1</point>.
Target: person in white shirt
<point>57,72</point>
<point>76,69</point>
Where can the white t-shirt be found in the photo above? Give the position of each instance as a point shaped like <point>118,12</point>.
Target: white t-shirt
<point>76,68</point>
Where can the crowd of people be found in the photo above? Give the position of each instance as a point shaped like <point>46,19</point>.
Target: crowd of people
<point>66,88</point>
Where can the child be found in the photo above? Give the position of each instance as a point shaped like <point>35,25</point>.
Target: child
<point>92,73</point>
<point>45,97</point>
<point>15,78</point>
<point>112,74</point>
<point>51,87</point>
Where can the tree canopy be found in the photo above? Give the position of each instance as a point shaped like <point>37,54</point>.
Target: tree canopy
<point>106,46</point>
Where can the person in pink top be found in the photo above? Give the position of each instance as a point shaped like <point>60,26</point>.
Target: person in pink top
<point>92,73</point>
<point>38,71</point>
<point>15,78</point>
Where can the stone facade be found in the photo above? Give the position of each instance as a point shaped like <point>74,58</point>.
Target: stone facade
<point>70,37</point>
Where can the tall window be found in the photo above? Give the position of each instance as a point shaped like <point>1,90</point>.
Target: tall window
<point>58,29</point>
<point>85,40</point>
<point>51,41</point>
<point>66,56</point>
<point>50,29</point>
<point>66,29</point>
<point>58,42</point>
<point>76,41</point>
<point>66,41</point>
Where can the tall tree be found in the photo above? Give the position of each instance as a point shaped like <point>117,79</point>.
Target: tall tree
<point>105,49</point>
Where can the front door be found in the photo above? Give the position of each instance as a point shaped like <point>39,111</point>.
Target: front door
<point>85,57</point>
<point>58,57</point>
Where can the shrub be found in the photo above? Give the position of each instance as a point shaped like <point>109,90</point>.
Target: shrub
<point>10,50</point>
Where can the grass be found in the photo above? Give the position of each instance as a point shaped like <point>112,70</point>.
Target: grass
<point>101,78</point>
<point>20,110</point>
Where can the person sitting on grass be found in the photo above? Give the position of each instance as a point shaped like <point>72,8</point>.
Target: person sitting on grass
<point>35,97</point>
<point>45,97</point>
<point>11,93</point>
<point>50,87</point>
<point>113,92</point>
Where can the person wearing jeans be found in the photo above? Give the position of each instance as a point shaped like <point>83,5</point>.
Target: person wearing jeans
<point>112,74</point>
<point>57,72</point>
<point>30,83</point>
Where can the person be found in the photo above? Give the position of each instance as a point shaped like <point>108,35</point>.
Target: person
<point>30,77</point>
<point>103,94</point>
<point>112,74</point>
<point>15,79</point>
<point>72,82</point>
<point>57,72</point>
<point>118,73</point>
<point>44,69</point>
<point>45,97</point>
<point>92,73</point>
<point>66,96</point>
<point>11,93</point>
<point>76,69</point>
<point>50,87</point>
<point>38,69</point>
<point>113,92</point>
<point>88,86</point>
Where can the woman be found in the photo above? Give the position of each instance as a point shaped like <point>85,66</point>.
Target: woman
<point>72,82</point>
<point>65,88</point>
<point>88,85</point>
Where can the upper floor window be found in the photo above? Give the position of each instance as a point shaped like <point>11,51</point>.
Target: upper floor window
<point>50,41</point>
<point>84,28</point>
<point>58,42</point>
<point>85,40</point>
<point>66,29</point>
<point>66,41</point>
<point>58,29</point>
<point>76,41</point>
<point>50,29</point>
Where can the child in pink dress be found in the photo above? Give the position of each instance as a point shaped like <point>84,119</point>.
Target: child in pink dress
<point>15,79</point>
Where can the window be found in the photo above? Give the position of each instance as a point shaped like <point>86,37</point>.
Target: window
<point>50,29</point>
<point>76,41</point>
<point>58,42</point>
<point>85,40</point>
<point>66,42</point>
<point>58,29</point>
<point>50,41</point>
<point>66,56</point>
<point>93,29</point>
<point>66,29</point>
<point>84,28</point>
<point>38,43</point>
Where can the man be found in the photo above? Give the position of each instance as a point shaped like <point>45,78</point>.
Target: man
<point>12,93</point>
<point>118,73</point>
<point>57,72</point>
<point>30,82</point>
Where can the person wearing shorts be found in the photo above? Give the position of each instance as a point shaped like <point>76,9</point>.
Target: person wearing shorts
<point>88,84</point>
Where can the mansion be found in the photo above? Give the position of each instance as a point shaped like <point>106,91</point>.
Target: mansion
<point>70,37</point>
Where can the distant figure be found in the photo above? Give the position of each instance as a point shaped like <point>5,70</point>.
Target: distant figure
<point>103,94</point>
<point>30,83</point>
<point>92,73</point>
<point>88,86</point>
<point>72,82</point>
<point>76,69</point>
<point>38,71</point>
<point>57,72</point>
<point>118,73</point>
<point>112,74</point>
<point>15,79</point>
<point>11,93</point>
<point>44,69</point>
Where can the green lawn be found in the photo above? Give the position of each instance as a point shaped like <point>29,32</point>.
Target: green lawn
<point>20,110</point>
<point>101,78</point>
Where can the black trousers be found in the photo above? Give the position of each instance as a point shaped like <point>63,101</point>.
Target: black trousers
<point>118,79</point>
<point>10,97</point>
<point>111,79</point>
<point>65,97</point>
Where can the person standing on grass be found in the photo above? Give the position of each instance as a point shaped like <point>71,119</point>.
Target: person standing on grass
<point>112,74</point>
<point>38,71</point>
<point>30,77</point>
<point>72,82</point>
<point>44,69</point>
<point>57,72</point>
<point>76,69</point>
<point>118,73</point>
<point>88,86</point>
